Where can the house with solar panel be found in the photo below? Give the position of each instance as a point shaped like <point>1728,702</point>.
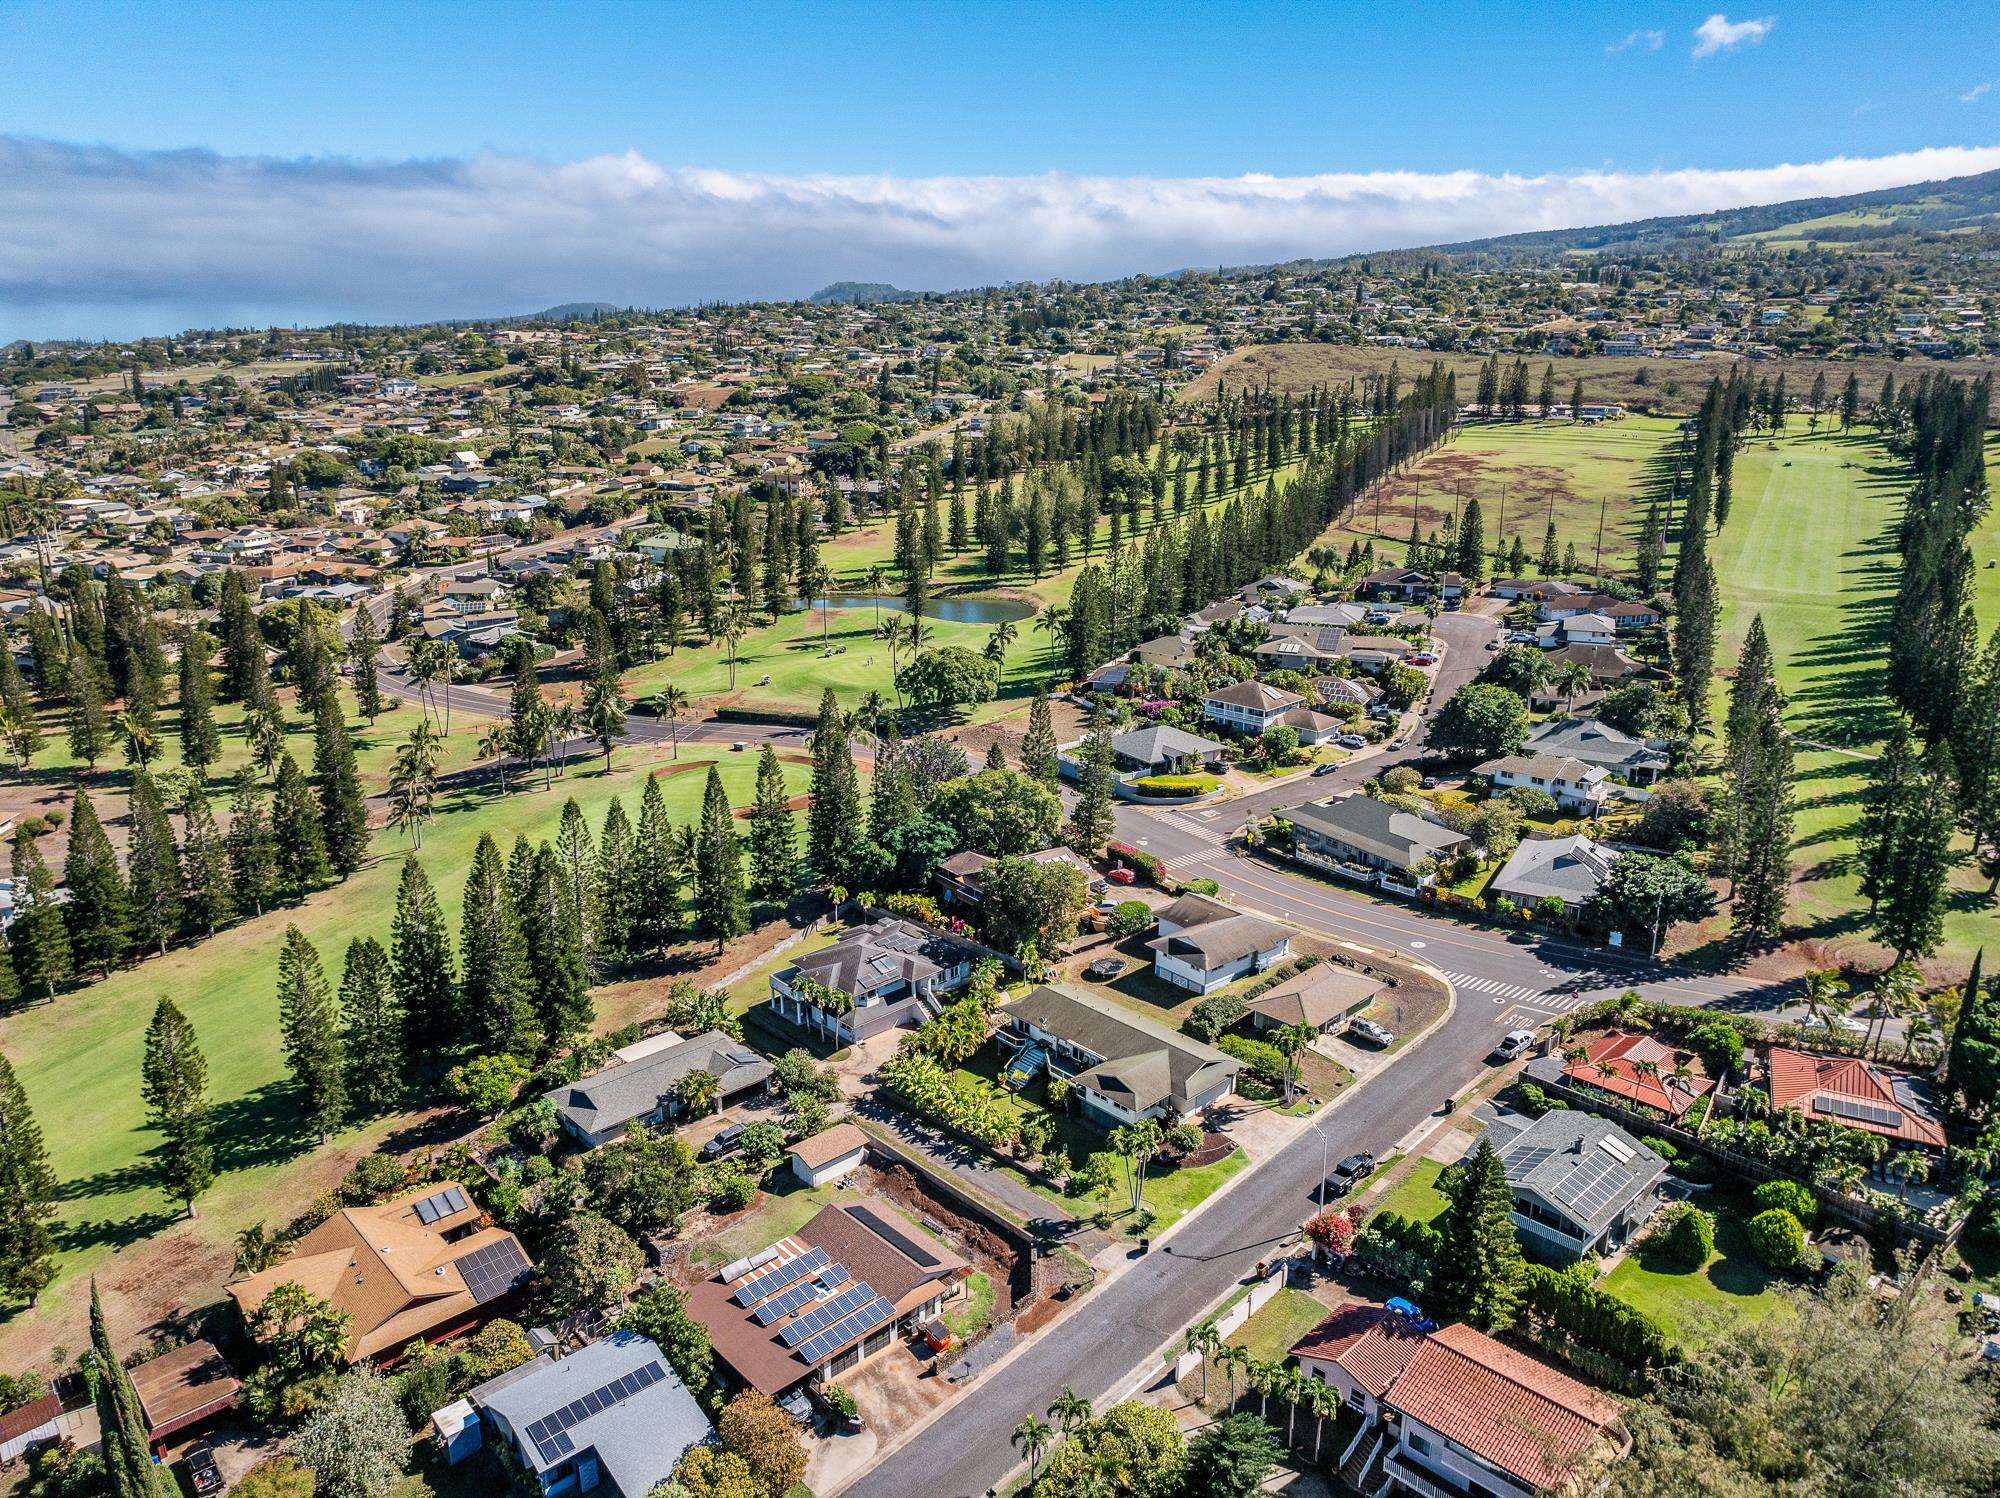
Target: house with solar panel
<point>611,1417</point>
<point>1581,1185</point>
<point>825,1298</point>
<point>1897,1107</point>
<point>423,1264</point>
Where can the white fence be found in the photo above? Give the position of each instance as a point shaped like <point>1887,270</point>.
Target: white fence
<point>1259,1297</point>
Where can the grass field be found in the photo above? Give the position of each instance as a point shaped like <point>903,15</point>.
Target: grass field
<point>1810,545</point>
<point>1732,1282</point>
<point>1272,1329</point>
<point>1416,1196</point>
<point>78,1058</point>
<point>806,651</point>
<point>1525,475</point>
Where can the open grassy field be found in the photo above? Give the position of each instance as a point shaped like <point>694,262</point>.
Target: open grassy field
<point>1662,386</point>
<point>78,1058</point>
<point>1526,475</point>
<point>1810,545</point>
<point>806,651</point>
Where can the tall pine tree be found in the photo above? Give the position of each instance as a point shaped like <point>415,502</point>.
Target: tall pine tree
<point>99,911</point>
<point>1039,757</point>
<point>174,1084</point>
<point>495,989</point>
<point>1480,1270</point>
<point>253,848</point>
<point>38,941</point>
<point>720,909</point>
<point>371,1031</point>
<point>773,841</point>
<point>27,1196</point>
<point>299,840</point>
<point>309,1024</point>
<point>152,867</point>
<point>343,813</point>
<point>833,821</point>
<point>421,971</point>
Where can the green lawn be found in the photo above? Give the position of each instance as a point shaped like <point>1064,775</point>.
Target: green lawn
<point>1733,1281</point>
<point>777,1213</point>
<point>971,1316</point>
<point>1281,1321</point>
<point>78,1058</point>
<point>1810,545</point>
<point>1416,1195</point>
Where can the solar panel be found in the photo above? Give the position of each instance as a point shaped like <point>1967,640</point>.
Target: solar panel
<point>1856,1108</point>
<point>440,1204</point>
<point>1579,1181</point>
<point>781,1305</point>
<point>848,1329</point>
<point>551,1433</point>
<point>894,1237</point>
<point>1521,1161</point>
<point>826,1313</point>
<point>494,1270</point>
<point>773,1280</point>
<point>1617,1149</point>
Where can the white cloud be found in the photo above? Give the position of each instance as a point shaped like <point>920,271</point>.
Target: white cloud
<point>1974,94</point>
<point>1720,34</point>
<point>1652,41</point>
<point>101,242</point>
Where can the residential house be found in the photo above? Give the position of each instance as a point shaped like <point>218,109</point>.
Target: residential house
<point>1121,1066</point>
<point>1894,1105</point>
<point>417,1265</point>
<point>961,877</point>
<point>1572,784</point>
<point>1168,652</point>
<point>826,1298</point>
<point>1639,1069</point>
<point>1159,749</point>
<point>1373,834</point>
<point>1323,615</point>
<point>183,1388</point>
<point>1359,1349</point>
<point>1570,869</point>
<point>600,1108</point>
<point>875,977</point>
<point>1323,996</point>
<point>1607,666</point>
<point>1581,1185</point>
<point>1577,629</point>
<point>613,1416</point>
<point>1633,760</point>
<point>1538,589</point>
<point>1248,707</point>
<point>1204,944</point>
<point>1412,585</point>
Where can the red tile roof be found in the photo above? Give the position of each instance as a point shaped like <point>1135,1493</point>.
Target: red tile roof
<point>1807,1082</point>
<point>1622,1052</point>
<point>1367,1343</point>
<point>1503,1406</point>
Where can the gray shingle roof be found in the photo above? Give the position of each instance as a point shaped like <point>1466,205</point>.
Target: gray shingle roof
<point>1145,1063</point>
<point>1570,868</point>
<point>1152,744</point>
<point>1378,827</point>
<point>881,954</point>
<point>1562,1159</point>
<point>633,1089</point>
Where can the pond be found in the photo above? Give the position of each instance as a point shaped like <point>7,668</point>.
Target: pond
<point>973,609</point>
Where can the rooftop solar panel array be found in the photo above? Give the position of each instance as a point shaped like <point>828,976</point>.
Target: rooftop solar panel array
<point>855,1325</point>
<point>775,1279</point>
<point>551,1433</point>
<point>895,1237</point>
<point>786,1301</point>
<point>440,1204</point>
<point>850,1300</point>
<point>1857,1108</point>
<point>492,1271</point>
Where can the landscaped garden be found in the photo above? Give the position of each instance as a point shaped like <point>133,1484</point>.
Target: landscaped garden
<point>1731,1282</point>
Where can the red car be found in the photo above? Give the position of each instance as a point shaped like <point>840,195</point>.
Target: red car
<point>1122,875</point>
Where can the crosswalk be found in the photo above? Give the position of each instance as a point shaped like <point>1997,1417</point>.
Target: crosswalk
<point>1520,993</point>
<point>1188,860</point>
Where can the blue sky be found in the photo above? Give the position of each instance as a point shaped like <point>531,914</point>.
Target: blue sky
<point>751,150</point>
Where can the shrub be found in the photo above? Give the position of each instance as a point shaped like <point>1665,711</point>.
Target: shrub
<point>1202,887</point>
<point>1185,1137</point>
<point>1688,1235</point>
<point>372,1178</point>
<point>1215,1014</point>
<point>1400,780</point>
<point>1130,917</point>
<point>1532,800</point>
<point>762,1143</point>
<point>1787,1196</point>
<point>1140,860</point>
<point>1778,1239</point>
<point>1720,1046</point>
<point>734,1188</point>
<point>486,1084</point>
<point>1172,785</point>
<point>1263,1059</point>
<point>840,1401</point>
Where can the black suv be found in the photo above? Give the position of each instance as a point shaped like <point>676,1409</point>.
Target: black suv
<point>1354,1168</point>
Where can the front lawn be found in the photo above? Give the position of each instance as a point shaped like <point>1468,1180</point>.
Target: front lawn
<point>1417,1195</point>
<point>1284,1318</point>
<point>1733,1281</point>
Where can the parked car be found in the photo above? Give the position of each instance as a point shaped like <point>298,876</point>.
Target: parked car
<point>1846,1023</point>
<point>1379,616</point>
<point>1104,969</point>
<point>724,1143</point>
<point>203,1474</point>
<point>1319,770</point>
<point>1521,637</point>
<point>1381,712</point>
<point>1121,875</point>
<point>1423,658</point>
<point>1512,1044</point>
<point>1371,1032</point>
<point>1429,783</point>
<point>1351,741</point>
<point>1356,1167</point>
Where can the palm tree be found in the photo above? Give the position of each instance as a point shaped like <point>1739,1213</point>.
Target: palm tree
<point>1895,995</point>
<point>1907,1166</point>
<point>1203,1338</point>
<point>421,666</point>
<point>140,737</point>
<point>495,744</point>
<point>813,583</point>
<point>877,581</point>
<point>1646,1070</point>
<point>1070,1411</point>
<point>670,702</point>
<point>1290,1040</point>
<point>1683,1074</point>
<point>1003,635</point>
<point>1921,1029</point>
<point>1572,677</point>
<point>1052,621</point>
<point>562,728</point>
<point>733,629</point>
<point>1824,986</point>
<point>1031,1439</point>
<point>1576,1055</point>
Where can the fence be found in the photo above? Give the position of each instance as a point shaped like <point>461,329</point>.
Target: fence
<point>1259,1297</point>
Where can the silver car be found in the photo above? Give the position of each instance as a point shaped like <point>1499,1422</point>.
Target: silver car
<point>1371,1032</point>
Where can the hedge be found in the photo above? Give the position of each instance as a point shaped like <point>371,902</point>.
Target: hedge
<point>1564,1302</point>
<point>1173,785</point>
<point>1787,1196</point>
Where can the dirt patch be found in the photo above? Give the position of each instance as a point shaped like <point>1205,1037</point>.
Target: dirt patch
<point>979,1243</point>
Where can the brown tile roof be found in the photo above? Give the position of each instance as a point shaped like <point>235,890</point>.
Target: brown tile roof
<point>1623,1052</point>
<point>1818,1085</point>
<point>1503,1406</point>
<point>1366,1342</point>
